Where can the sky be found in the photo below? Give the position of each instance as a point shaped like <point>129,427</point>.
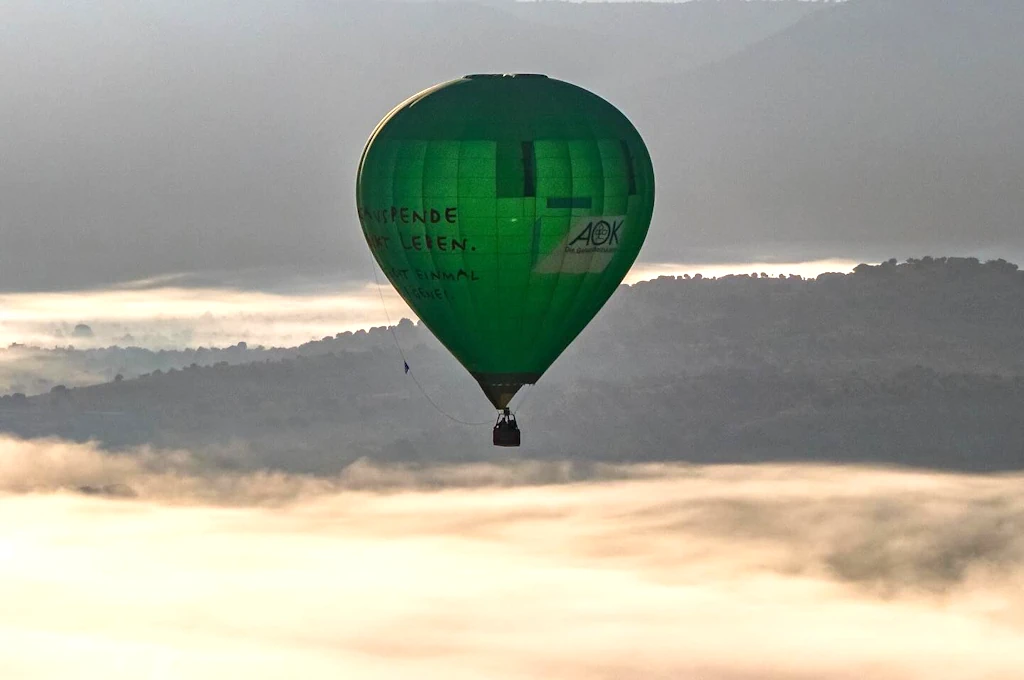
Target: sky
<point>506,572</point>
<point>149,139</point>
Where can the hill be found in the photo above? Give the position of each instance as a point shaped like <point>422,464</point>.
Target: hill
<point>920,363</point>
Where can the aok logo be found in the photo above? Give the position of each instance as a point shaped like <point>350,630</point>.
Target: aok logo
<point>588,246</point>
<point>600,232</point>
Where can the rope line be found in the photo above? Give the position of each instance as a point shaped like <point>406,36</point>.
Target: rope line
<point>405,361</point>
<point>522,399</point>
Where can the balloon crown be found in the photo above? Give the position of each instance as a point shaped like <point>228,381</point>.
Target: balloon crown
<point>505,75</point>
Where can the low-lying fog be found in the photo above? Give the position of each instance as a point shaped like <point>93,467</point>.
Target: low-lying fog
<point>143,564</point>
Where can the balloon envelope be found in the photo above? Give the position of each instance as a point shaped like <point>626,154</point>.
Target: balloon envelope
<point>505,210</point>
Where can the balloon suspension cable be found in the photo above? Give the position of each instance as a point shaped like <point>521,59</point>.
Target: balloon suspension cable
<point>405,361</point>
<point>522,399</point>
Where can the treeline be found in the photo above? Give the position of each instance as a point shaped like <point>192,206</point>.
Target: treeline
<point>916,363</point>
<point>951,313</point>
<point>322,413</point>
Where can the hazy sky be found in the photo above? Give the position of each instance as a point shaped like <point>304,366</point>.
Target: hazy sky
<point>770,572</point>
<point>143,138</point>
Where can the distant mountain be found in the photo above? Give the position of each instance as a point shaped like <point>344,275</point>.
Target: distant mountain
<point>874,127</point>
<point>920,363</point>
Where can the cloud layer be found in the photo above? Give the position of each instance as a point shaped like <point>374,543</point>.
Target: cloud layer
<point>180,312</point>
<point>178,317</point>
<point>517,571</point>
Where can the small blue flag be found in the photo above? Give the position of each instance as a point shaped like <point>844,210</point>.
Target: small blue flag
<point>406,366</point>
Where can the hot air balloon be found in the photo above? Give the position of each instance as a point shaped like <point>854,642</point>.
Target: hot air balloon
<point>505,209</point>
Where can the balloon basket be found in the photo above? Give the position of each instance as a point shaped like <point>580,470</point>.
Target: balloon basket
<point>506,430</point>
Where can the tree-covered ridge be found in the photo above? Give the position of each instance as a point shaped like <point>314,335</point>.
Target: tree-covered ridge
<point>912,363</point>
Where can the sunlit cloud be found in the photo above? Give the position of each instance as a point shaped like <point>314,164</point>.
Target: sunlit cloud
<point>175,317</point>
<point>718,573</point>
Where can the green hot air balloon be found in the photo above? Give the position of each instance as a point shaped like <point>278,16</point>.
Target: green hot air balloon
<point>505,209</point>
